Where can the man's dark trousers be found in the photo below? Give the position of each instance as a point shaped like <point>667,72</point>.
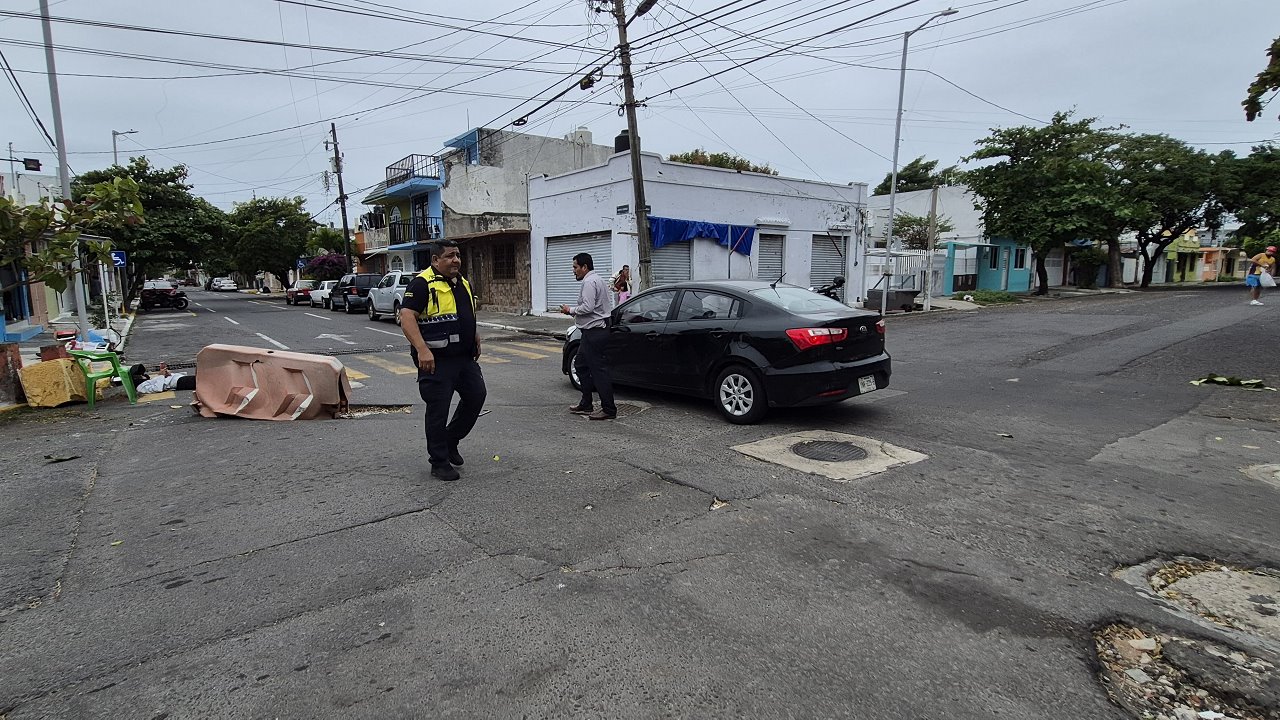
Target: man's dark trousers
<point>453,374</point>
<point>593,375</point>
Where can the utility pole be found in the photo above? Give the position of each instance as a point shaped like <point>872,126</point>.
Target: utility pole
<point>64,174</point>
<point>637,173</point>
<point>933,238</point>
<point>342,195</point>
<point>13,172</point>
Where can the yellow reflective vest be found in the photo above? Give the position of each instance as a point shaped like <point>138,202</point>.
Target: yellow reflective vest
<point>439,323</point>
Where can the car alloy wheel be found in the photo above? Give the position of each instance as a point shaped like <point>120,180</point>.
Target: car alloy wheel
<point>573,369</point>
<point>395,311</point>
<point>373,314</point>
<point>740,395</point>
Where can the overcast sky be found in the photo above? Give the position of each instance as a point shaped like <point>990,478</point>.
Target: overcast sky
<point>820,106</point>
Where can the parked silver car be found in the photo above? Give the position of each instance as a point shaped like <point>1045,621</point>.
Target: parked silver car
<point>386,297</point>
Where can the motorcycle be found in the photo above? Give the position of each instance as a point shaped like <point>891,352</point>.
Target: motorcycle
<point>174,298</point>
<point>832,290</point>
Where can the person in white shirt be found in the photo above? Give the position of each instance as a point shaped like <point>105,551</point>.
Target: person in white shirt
<point>591,315</point>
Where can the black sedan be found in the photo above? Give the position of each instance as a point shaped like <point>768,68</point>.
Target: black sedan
<point>748,345</point>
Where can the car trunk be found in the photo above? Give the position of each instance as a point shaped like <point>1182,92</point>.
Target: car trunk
<point>862,338</point>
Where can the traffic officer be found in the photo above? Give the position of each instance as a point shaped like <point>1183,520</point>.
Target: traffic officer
<point>438,318</point>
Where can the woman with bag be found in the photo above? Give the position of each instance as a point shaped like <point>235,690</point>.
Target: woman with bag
<point>1261,267</point>
<point>622,284</point>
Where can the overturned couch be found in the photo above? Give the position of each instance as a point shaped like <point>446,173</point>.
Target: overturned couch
<point>259,384</point>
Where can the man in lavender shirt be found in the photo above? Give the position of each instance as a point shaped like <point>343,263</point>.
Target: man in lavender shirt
<point>591,315</point>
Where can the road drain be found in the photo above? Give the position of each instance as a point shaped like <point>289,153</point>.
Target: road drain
<point>828,451</point>
<point>356,412</point>
<point>1170,677</point>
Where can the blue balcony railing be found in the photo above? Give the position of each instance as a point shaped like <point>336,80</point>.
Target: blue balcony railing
<point>418,230</point>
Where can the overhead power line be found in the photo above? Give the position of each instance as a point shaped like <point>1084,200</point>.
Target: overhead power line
<point>26,102</point>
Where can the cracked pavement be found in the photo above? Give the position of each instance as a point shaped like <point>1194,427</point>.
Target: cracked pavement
<point>191,568</point>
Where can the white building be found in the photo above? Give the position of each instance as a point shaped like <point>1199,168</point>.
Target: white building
<point>804,232</point>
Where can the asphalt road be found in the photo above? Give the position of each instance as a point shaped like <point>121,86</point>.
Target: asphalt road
<point>184,567</point>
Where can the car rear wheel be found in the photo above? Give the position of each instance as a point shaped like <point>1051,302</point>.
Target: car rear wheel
<point>373,314</point>
<point>739,395</point>
<point>333,305</point>
<point>346,306</point>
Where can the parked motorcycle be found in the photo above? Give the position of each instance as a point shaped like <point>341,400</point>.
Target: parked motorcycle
<point>174,298</point>
<point>832,290</point>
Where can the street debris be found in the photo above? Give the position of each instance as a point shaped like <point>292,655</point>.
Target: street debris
<point>1216,379</point>
<point>1003,435</point>
<point>53,459</point>
<point>717,503</point>
<point>117,542</point>
<point>355,412</point>
<point>1157,676</point>
<point>1233,597</point>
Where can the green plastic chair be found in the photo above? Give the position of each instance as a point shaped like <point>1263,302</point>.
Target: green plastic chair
<point>85,360</point>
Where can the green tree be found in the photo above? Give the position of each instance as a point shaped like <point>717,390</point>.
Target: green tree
<point>42,239</point>
<point>1047,186</point>
<point>269,234</point>
<point>913,230</point>
<point>1267,80</point>
<point>919,174</point>
<point>1168,188</point>
<point>721,160</point>
<point>323,240</point>
<point>181,229</point>
<point>1254,195</point>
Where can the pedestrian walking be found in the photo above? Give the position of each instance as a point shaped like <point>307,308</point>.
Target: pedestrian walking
<point>438,318</point>
<point>622,284</point>
<point>591,315</point>
<point>1261,270</point>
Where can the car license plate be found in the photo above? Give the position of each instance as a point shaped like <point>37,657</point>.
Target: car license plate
<point>866,384</point>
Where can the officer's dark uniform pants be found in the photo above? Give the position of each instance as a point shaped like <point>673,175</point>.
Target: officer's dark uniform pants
<point>453,374</point>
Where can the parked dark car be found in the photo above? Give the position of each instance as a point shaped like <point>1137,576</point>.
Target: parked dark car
<point>299,293</point>
<point>352,292</point>
<point>748,345</point>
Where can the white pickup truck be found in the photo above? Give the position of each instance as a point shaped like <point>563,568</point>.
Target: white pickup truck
<point>385,298</point>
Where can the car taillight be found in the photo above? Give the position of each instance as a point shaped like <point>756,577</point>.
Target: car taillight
<point>805,338</point>
<point>353,291</point>
<point>880,327</point>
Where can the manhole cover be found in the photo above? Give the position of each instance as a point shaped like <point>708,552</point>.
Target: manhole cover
<point>829,451</point>
<point>625,409</point>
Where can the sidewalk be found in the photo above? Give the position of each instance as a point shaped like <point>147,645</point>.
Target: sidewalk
<point>556,326</point>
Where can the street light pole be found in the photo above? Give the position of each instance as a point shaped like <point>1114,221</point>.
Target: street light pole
<point>64,173</point>
<point>886,270</point>
<point>115,152</point>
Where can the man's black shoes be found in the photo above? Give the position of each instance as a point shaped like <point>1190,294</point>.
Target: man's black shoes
<point>445,473</point>
<point>455,457</point>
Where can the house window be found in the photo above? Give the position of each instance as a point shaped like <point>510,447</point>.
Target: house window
<point>504,262</point>
<point>993,257</point>
<point>1020,259</point>
<point>397,263</point>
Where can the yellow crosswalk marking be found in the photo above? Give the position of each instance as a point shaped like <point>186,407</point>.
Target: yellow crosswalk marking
<point>505,349</point>
<point>399,368</point>
<point>355,374</point>
<point>492,360</point>
<point>544,347</point>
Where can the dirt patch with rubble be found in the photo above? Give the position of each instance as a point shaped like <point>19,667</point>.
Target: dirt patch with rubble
<point>1162,676</point>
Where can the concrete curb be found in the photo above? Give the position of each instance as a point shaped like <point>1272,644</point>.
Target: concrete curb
<point>559,335</point>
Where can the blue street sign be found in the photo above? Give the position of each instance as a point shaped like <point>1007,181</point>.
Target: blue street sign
<point>118,258</point>
<point>301,263</point>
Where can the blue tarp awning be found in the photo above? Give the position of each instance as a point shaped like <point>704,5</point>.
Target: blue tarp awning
<point>665,231</point>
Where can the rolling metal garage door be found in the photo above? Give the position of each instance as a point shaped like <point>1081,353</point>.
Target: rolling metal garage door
<point>673,263</point>
<point>769,257</point>
<point>562,286</point>
<point>827,260</point>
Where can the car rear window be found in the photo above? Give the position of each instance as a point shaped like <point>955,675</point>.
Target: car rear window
<point>305,284</point>
<point>404,280</point>
<point>798,300</point>
<point>366,280</point>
